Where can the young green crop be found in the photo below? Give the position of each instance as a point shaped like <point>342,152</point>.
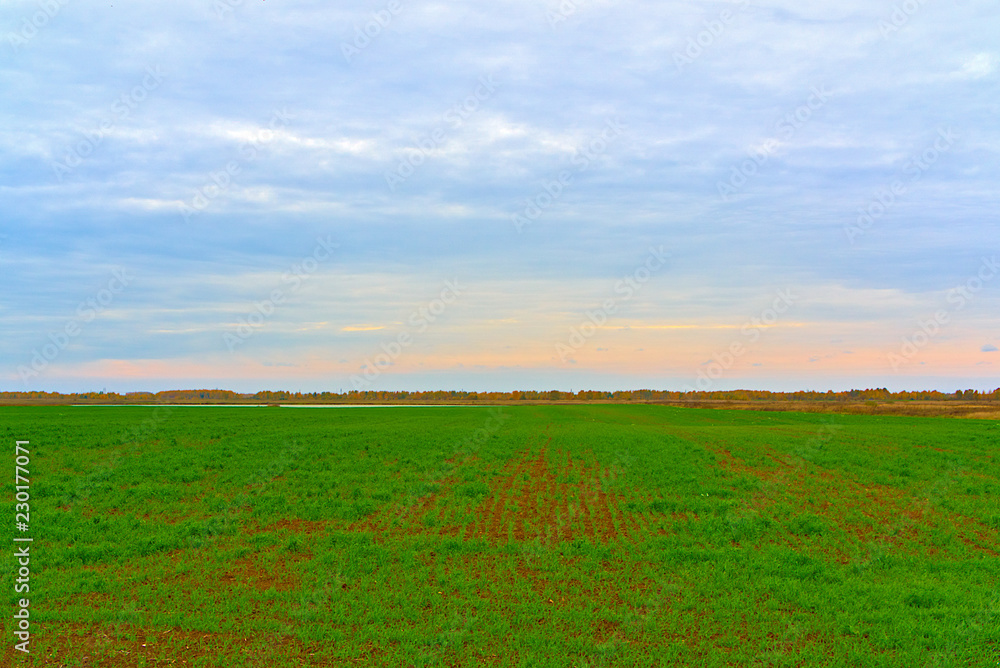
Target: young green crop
<point>605,535</point>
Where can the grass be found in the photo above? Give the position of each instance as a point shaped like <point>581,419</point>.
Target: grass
<point>561,535</point>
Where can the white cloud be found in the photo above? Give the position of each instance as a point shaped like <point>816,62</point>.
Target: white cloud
<point>979,66</point>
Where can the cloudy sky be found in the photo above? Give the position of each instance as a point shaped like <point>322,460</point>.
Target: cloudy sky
<point>409,194</point>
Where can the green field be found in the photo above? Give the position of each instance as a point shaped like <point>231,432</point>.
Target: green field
<point>604,535</point>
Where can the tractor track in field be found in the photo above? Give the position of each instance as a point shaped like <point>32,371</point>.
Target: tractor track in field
<point>534,501</point>
<point>540,495</point>
<point>895,517</point>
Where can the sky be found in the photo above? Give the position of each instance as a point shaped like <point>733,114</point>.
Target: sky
<point>414,195</point>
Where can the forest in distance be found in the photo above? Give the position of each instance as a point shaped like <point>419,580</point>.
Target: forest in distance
<point>217,396</point>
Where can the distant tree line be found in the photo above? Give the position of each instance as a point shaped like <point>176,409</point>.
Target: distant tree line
<point>461,396</point>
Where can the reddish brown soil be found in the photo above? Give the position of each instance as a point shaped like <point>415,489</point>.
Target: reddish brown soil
<point>305,527</point>
<point>896,517</point>
<point>124,646</point>
<point>530,502</point>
